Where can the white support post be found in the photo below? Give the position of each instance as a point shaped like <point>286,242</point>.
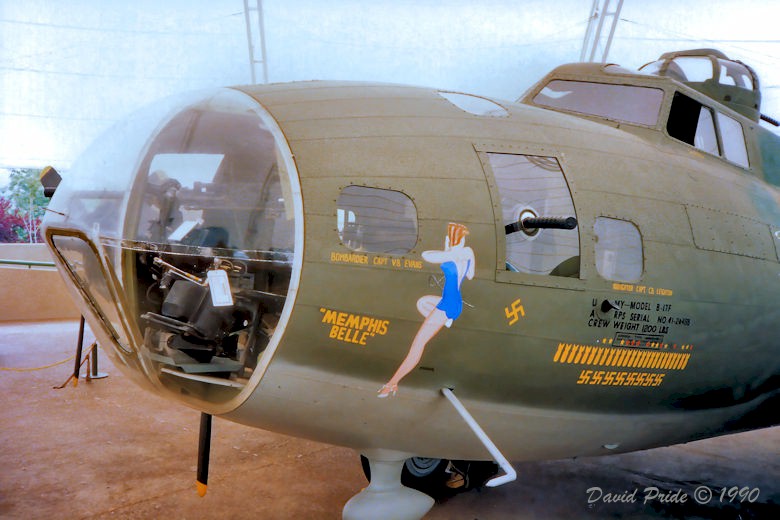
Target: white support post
<point>509,472</point>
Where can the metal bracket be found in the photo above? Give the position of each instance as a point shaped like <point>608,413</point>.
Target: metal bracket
<point>509,472</point>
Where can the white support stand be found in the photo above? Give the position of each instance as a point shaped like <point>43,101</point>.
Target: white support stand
<point>509,472</point>
<point>385,497</point>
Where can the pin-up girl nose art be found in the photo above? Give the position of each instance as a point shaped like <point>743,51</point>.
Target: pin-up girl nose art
<point>457,264</point>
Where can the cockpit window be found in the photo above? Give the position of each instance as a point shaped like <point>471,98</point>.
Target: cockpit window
<point>625,103</point>
<point>733,138</point>
<point>692,123</point>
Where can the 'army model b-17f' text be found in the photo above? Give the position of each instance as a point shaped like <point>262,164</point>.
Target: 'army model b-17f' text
<point>432,277</point>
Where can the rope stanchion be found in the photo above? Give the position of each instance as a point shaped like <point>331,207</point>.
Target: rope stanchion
<point>92,367</point>
<point>74,376</point>
<point>33,369</point>
<point>91,358</point>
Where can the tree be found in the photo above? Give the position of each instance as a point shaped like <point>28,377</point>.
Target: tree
<point>26,194</point>
<point>11,224</point>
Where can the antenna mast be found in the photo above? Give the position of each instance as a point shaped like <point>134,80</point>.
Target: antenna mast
<point>255,31</point>
<point>593,34</point>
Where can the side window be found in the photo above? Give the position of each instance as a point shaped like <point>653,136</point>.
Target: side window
<point>706,139</point>
<point>532,189</point>
<point>619,255</point>
<point>692,123</point>
<point>376,220</point>
<point>733,138</point>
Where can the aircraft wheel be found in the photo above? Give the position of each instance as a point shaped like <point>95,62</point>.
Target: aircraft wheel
<point>441,478</point>
<point>427,475</point>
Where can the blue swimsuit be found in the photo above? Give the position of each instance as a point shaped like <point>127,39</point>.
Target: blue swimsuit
<point>451,302</point>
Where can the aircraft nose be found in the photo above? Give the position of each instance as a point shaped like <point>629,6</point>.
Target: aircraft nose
<point>180,234</point>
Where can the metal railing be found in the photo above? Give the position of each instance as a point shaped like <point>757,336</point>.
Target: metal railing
<point>25,263</point>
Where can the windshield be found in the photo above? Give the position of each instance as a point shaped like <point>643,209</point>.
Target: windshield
<point>624,103</point>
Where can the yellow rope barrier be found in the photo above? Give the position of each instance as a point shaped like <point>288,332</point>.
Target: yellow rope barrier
<point>11,369</point>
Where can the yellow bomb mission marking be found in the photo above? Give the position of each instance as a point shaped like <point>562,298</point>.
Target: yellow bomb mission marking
<point>572,353</point>
<point>353,328</point>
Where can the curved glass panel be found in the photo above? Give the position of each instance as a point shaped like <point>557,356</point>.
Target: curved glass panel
<point>87,272</point>
<point>476,105</point>
<point>211,213</point>
<point>199,232</point>
<point>698,69</point>
<point>652,68</point>
<point>693,68</point>
<point>94,192</point>
<point>735,74</point>
<point>617,69</point>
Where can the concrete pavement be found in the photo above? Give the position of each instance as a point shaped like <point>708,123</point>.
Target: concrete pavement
<point>108,449</point>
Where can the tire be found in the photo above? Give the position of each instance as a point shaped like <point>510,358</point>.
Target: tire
<point>431,477</point>
<point>427,475</point>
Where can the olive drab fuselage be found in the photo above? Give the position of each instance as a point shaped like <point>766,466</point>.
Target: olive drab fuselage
<point>581,275</point>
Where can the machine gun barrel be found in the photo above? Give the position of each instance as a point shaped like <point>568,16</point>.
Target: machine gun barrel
<point>770,120</point>
<point>534,223</point>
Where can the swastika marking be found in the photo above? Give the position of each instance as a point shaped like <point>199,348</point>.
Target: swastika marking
<point>515,311</point>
